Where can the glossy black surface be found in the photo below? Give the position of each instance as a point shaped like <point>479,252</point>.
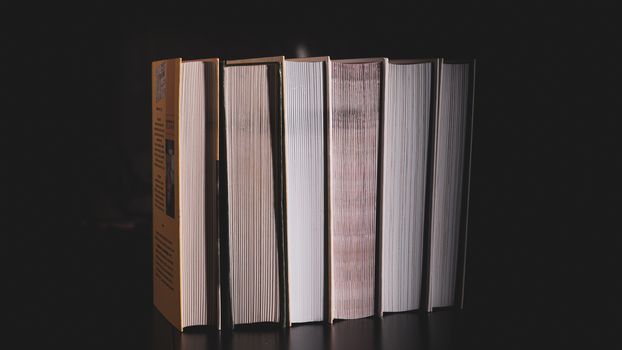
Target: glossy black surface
<point>396,331</point>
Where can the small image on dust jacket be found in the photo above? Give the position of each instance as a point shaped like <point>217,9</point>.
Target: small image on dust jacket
<point>170,178</point>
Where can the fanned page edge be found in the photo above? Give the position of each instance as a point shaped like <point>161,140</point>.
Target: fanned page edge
<point>282,238</point>
<point>377,298</point>
<point>217,61</point>
<point>226,314</point>
<point>327,236</point>
<point>462,250</point>
<point>435,63</point>
<point>216,322</point>
<point>193,243</point>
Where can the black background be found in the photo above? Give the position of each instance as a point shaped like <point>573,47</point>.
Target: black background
<point>543,253</point>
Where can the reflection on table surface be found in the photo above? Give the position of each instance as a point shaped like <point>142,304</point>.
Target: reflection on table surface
<point>415,330</point>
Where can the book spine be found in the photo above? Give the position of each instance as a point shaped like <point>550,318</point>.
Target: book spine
<point>212,197</point>
<point>226,320</point>
<point>426,295</point>
<point>279,184</point>
<point>328,238</point>
<point>328,258</point>
<point>464,217</point>
<point>165,189</point>
<point>331,233</point>
<point>379,188</point>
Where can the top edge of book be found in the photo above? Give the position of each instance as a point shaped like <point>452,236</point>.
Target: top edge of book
<point>181,60</point>
<point>309,59</point>
<point>215,60</point>
<point>260,60</point>
<point>459,61</point>
<point>174,59</point>
<point>361,60</point>
<point>414,60</point>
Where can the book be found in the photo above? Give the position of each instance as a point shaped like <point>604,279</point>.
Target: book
<point>253,246</point>
<point>450,185</point>
<point>409,115</point>
<point>306,83</point>
<point>185,239</point>
<point>354,153</point>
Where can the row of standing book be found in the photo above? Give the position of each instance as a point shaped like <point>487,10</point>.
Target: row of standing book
<point>306,190</point>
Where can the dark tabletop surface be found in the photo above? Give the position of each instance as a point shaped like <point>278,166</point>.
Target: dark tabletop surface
<point>96,293</point>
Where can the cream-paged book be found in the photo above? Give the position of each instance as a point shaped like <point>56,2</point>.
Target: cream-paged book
<point>185,107</point>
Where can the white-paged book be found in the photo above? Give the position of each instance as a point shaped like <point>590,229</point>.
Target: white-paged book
<point>449,206</point>
<point>306,114</point>
<point>410,110</point>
